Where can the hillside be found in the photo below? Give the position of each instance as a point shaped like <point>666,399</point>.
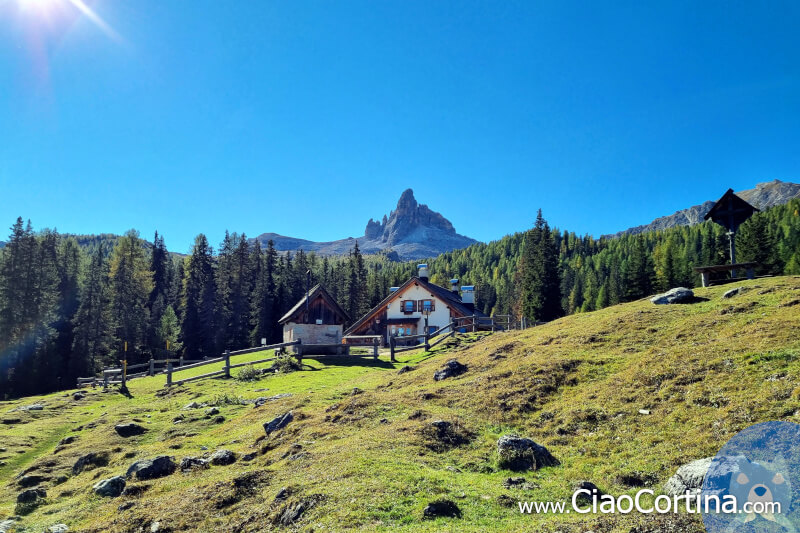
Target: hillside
<point>367,458</point>
<point>763,196</point>
<point>411,231</point>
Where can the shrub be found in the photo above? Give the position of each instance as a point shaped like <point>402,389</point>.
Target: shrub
<point>248,373</point>
<point>285,364</point>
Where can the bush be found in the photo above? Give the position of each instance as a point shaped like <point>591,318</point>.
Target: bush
<point>226,399</point>
<point>249,373</point>
<point>285,364</point>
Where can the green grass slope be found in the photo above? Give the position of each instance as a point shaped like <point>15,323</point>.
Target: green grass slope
<point>367,459</point>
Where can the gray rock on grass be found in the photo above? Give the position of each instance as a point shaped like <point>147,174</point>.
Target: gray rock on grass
<point>678,295</point>
<point>278,422</point>
<point>111,487</point>
<point>519,453</point>
<point>152,468</point>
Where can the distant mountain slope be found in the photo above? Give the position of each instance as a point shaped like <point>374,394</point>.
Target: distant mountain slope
<point>412,231</point>
<point>764,195</point>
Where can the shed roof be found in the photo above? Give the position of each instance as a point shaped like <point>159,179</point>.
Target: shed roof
<point>312,294</point>
<point>730,211</point>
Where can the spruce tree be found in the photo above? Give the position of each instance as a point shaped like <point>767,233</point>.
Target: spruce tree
<point>540,293</point>
<point>198,327</point>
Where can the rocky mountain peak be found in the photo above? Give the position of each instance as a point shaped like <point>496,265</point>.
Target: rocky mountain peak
<point>409,219</point>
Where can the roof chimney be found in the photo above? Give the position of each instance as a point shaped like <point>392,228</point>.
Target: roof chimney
<point>468,296</point>
<point>423,271</point>
<point>454,286</point>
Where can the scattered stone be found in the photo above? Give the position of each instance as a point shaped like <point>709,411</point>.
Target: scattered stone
<point>111,487</point>
<point>439,508</point>
<point>733,292</point>
<point>223,457</point>
<point>58,528</point>
<point>356,391</point>
<point>451,368</point>
<point>6,525</point>
<point>212,411</point>
<point>261,390</point>
<point>644,411</point>
<point>59,480</point>
<point>152,468</point>
<point>189,463</point>
<point>218,419</point>
<point>384,420</point>
<point>178,419</point>
<point>513,482</point>
<point>588,491</point>
<point>689,477</point>
<point>125,506</point>
<point>155,527</point>
<point>129,430</point>
<point>404,369</point>
<point>453,469</point>
<point>31,407</point>
<point>282,494</point>
<point>89,461</point>
<point>678,295</point>
<point>249,457</point>
<point>67,440</point>
<point>193,405</point>
<point>32,495</point>
<point>279,422</point>
<point>31,481</point>
<point>518,453</point>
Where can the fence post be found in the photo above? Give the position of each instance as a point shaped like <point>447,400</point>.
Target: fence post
<point>391,350</point>
<point>180,361</point>
<point>124,373</point>
<point>105,379</point>
<point>299,351</point>
<point>375,348</point>
<point>227,368</point>
<point>169,374</point>
<point>474,329</point>
<point>453,328</point>
<point>152,371</point>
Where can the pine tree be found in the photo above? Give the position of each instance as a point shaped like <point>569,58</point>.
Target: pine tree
<point>159,298</point>
<point>92,324</point>
<point>539,273</point>
<point>198,328</point>
<point>131,282</point>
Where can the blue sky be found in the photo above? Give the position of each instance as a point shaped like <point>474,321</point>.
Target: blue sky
<point>308,118</point>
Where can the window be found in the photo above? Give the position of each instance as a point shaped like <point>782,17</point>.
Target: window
<point>427,306</point>
<point>409,306</point>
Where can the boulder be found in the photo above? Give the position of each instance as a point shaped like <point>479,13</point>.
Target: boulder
<point>31,407</point>
<point>733,292</point>
<point>111,487</point>
<point>593,491</point>
<point>404,369</point>
<point>129,430</point>
<point>518,453</point>
<point>278,422</point>
<point>6,525</point>
<point>450,369</point>
<point>439,508</point>
<point>57,528</point>
<point>223,457</point>
<point>189,463</point>
<point>152,468</point>
<point>89,461</point>
<point>32,495</point>
<point>688,478</point>
<point>212,411</point>
<point>678,295</point>
<point>193,405</point>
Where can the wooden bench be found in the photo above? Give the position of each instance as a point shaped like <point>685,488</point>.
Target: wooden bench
<point>706,271</point>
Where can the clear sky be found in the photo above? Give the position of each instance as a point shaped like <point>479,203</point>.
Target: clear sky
<point>307,118</point>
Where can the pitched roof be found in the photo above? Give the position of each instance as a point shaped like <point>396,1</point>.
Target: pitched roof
<point>730,211</point>
<point>442,293</point>
<point>315,290</point>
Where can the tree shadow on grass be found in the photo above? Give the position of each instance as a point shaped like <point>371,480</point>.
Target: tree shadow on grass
<point>346,360</point>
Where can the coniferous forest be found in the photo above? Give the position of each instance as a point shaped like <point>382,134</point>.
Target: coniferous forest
<point>71,304</point>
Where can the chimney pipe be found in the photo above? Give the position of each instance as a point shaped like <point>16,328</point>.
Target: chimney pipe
<point>468,296</point>
<point>423,272</point>
<point>454,286</point>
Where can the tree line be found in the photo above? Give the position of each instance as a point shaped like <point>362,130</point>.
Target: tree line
<point>70,305</point>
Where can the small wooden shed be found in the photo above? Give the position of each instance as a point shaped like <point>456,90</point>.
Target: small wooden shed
<point>315,319</point>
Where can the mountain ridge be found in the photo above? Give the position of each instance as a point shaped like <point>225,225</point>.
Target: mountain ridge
<point>763,195</point>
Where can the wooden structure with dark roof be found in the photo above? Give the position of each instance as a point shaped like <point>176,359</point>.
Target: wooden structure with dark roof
<point>730,212</point>
<point>315,319</point>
